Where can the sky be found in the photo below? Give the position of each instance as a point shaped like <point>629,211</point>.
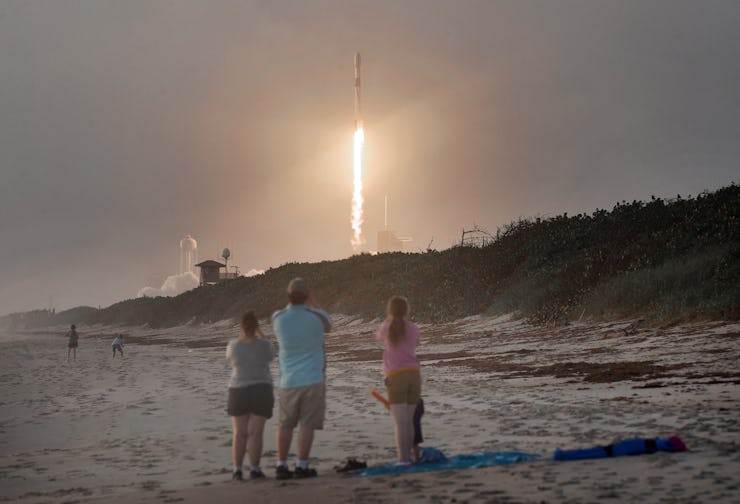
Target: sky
<point>125,126</point>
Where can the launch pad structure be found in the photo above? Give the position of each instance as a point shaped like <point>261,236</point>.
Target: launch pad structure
<point>387,239</point>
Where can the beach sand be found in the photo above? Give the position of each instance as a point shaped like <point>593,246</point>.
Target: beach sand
<point>152,427</point>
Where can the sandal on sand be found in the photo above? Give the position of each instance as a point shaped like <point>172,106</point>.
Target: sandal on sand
<point>351,465</point>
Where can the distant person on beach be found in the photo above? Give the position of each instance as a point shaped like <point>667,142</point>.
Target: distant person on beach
<point>117,345</point>
<point>251,399</point>
<point>300,329</point>
<point>72,342</point>
<point>400,338</point>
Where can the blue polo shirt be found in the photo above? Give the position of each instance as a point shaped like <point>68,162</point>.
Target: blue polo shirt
<point>300,333</point>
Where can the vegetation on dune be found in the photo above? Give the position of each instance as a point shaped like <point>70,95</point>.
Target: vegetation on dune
<point>662,259</point>
<point>46,318</point>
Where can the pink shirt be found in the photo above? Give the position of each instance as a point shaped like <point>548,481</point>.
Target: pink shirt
<point>403,355</point>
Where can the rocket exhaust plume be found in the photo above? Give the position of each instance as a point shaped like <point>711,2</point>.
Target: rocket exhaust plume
<point>359,140</point>
<point>357,200</point>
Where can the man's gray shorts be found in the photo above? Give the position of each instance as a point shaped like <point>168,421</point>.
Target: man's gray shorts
<point>303,405</point>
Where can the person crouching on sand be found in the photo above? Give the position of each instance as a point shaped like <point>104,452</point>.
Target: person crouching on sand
<point>400,338</point>
<point>72,343</point>
<point>251,399</point>
<point>418,435</point>
<point>117,345</point>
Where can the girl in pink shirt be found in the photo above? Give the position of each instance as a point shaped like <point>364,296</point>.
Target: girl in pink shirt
<point>400,338</point>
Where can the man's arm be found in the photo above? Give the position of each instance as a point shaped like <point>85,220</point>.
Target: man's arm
<point>324,317</point>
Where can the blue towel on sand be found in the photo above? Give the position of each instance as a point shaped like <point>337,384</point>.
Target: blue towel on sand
<point>470,461</point>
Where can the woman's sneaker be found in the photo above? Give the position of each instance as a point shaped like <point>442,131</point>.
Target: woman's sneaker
<point>283,473</point>
<point>256,474</point>
<point>237,475</point>
<point>305,473</point>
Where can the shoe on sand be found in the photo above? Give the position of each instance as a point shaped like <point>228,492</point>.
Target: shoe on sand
<point>283,473</point>
<point>351,465</point>
<point>237,475</point>
<point>256,474</point>
<point>305,473</point>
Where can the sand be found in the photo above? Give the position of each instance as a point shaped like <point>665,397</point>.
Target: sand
<point>151,427</point>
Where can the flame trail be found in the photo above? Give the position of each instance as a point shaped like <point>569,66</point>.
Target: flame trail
<point>357,200</point>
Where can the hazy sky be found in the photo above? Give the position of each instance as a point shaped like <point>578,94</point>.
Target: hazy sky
<point>125,125</point>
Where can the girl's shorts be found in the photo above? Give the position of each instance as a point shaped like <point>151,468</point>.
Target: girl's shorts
<point>256,399</point>
<point>404,387</point>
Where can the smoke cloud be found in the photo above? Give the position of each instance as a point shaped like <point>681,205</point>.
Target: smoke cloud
<point>173,286</point>
<point>177,284</point>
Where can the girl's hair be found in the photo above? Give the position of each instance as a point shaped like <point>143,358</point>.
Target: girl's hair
<point>398,308</point>
<point>249,324</point>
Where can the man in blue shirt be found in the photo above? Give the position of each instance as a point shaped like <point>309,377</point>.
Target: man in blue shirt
<point>300,329</point>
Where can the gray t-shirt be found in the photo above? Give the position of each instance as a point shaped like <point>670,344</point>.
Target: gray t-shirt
<point>250,361</point>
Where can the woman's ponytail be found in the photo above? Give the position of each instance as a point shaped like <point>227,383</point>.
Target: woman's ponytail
<point>398,308</point>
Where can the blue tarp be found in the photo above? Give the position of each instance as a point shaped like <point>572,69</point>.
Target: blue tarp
<point>470,461</point>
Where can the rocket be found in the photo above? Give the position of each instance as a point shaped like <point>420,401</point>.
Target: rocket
<point>358,112</point>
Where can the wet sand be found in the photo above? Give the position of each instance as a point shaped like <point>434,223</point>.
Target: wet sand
<point>151,427</point>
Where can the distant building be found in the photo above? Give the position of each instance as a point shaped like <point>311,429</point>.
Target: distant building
<point>388,242</point>
<point>387,239</point>
<point>210,272</point>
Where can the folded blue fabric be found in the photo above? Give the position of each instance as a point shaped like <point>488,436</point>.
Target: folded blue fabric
<point>469,461</point>
<point>431,455</point>
<point>586,453</point>
<point>633,446</point>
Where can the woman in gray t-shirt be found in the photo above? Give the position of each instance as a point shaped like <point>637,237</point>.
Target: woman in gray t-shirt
<point>251,399</point>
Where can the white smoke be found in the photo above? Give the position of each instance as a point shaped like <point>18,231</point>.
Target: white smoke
<point>357,200</point>
<point>174,285</point>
